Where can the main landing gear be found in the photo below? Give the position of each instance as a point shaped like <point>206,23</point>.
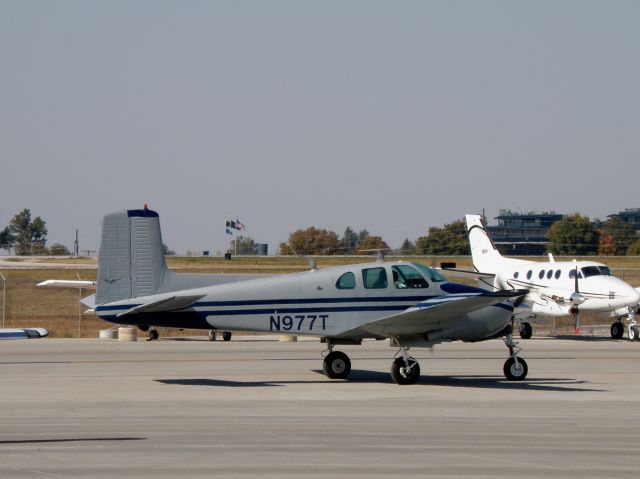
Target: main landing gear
<point>515,368</point>
<point>633,330</point>
<point>404,369</point>
<point>525,330</point>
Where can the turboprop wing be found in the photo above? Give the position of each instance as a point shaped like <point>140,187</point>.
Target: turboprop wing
<point>436,313</point>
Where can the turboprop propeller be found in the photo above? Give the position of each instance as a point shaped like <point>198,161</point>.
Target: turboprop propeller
<point>576,299</point>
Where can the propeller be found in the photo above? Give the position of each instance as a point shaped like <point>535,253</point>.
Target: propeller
<point>576,299</point>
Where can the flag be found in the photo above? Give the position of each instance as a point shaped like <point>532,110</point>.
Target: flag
<point>231,224</point>
<point>239,226</point>
<point>228,231</point>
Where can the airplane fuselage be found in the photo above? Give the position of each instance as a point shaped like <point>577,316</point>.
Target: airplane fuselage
<point>339,302</point>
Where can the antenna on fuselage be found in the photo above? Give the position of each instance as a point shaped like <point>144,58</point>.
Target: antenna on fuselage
<point>379,253</point>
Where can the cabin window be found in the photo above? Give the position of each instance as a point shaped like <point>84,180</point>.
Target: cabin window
<point>572,274</point>
<point>604,270</point>
<point>346,281</point>
<point>549,274</point>
<point>541,274</point>
<point>515,275</point>
<point>405,277</point>
<point>557,275</point>
<point>430,273</point>
<point>374,278</point>
<point>529,274</point>
<point>589,271</point>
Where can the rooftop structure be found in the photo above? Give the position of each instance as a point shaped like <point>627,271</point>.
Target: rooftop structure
<point>522,233</point>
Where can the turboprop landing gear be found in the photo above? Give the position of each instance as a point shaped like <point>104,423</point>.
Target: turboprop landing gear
<point>405,369</point>
<point>336,364</point>
<point>617,330</point>
<point>212,335</point>
<point>153,335</point>
<point>633,326</point>
<point>526,330</point>
<point>226,336</point>
<point>515,368</point>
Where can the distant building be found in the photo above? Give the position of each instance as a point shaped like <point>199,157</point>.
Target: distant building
<point>630,216</point>
<point>522,233</point>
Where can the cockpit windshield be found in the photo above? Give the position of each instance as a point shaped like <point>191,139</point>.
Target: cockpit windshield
<point>432,274</point>
<point>588,271</point>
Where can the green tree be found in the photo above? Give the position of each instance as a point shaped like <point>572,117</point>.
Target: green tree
<point>167,251</point>
<point>573,235</point>
<point>311,241</point>
<point>615,237</point>
<point>6,239</point>
<point>407,247</point>
<point>349,241</point>
<point>451,239</point>
<point>243,245</point>
<point>27,232</point>
<point>58,249</point>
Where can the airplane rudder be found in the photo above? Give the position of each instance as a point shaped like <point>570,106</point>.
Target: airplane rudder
<point>131,259</point>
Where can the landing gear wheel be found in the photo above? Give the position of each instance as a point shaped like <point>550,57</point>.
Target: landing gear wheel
<point>402,375</point>
<point>526,330</point>
<point>153,335</point>
<point>634,333</point>
<point>212,335</point>
<point>226,336</point>
<point>617,330</point>
<point>513,372</point>
<point>336,365</point>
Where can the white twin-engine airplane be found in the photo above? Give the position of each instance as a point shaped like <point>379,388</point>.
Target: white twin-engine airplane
<point>556,288</point>
<point>408,303</point>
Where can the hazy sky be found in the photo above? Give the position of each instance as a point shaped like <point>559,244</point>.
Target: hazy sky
<point>390,116</point>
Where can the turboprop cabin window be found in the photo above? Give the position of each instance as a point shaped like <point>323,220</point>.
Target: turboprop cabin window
<point>589,271</point>
<point>604,270</point>
<point>374,278</point>
<point>572,274</point>
<point>406,277</point>
<point>346,281</point>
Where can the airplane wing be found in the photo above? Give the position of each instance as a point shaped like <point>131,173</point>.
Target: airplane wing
<point>25,333</point>
<point>170,303</point>
<point>465,274</point>
<point>430,314</point>
<point>63,283</point>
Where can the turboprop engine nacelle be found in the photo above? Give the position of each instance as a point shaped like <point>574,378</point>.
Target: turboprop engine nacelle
<point>562,296</point>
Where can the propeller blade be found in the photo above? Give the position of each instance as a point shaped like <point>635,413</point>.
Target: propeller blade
<point>577,291</point>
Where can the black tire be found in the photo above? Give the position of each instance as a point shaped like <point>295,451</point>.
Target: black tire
<point>212,335</point>
<point>515,374</point>
<point>226,336</point>
<point>336,365</point>
<point>400,376</point>
<point>634,333</point>
<point>526,330</point>
<point>153,334</point>
<point>617,330</point>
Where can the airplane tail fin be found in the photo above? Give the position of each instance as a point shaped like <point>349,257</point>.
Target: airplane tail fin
<point>486,257</point>
<point>131,259</point>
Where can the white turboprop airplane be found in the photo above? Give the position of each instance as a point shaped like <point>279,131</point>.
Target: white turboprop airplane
<point>408,303</point>
<point>556,288</point>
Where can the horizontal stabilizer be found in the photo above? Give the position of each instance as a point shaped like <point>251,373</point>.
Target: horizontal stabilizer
<point>23,333</point>
<point>164,305</point>
<point>62,283</point>
<point>464,274</point>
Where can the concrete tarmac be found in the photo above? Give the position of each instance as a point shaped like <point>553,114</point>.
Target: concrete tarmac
<point>259,408</point>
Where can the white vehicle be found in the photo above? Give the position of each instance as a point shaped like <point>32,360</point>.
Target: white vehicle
<point>23,333</point>
<point>556,288</point>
